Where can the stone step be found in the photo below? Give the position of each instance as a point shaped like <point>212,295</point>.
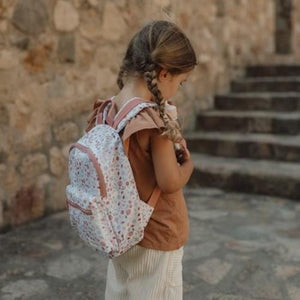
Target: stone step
<point>264,177</point>
<point>258,101</point>
<point>251,145</point>
<point>271,70</point>
<point>252,121</point>
<point>266,84</point>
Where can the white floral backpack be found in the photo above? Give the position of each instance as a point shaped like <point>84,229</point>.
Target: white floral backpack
<point>102,198</point>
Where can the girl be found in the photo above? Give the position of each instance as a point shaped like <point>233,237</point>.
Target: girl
<point>158,60</point>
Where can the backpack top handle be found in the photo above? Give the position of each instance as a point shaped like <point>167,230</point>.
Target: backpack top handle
<point>99,117</point>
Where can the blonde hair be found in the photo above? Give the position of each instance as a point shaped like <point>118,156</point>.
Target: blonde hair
<point>158,45</point>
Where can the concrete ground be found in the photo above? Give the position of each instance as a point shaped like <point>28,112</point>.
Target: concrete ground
<point>240,247</point>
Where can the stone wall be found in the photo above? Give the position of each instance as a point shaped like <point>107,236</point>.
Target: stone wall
<point>58,56</point>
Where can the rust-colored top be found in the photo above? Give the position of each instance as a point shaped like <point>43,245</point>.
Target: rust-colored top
<point>168,228</point>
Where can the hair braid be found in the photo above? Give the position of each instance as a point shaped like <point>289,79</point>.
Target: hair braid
<point>172,127</point>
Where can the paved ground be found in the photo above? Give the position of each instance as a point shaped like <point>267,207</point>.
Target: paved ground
<point>240,247</point>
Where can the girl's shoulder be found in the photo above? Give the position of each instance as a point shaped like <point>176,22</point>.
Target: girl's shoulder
<point>148,118</point>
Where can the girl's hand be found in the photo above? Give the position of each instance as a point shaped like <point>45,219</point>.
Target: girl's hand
<point>187,154</point>
<point>182,153</point>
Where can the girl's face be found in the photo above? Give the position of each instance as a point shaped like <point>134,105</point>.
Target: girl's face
<point>168,84</point>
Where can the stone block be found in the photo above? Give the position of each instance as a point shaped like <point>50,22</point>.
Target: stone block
<point>90,25</point>
<point>8,60</point>
<point>294,292</point>
<point>24,289</point>
<point>84,51</point>
<point>65,151</point>
<point>33,165</point>
<point>4,116</point>
<point>105,79</point>
<point>213,270</point>
<point>27,100</point>
<point>217,296</point>
<point>66,132</point>
<point>108,56</point>
<point>58,162</point>
<point>198,251</point>
<point>68,267</point>
<point>244,246</point>
<point>208,214</point>
<point>254,282</point>
<point>57,194</point>
<point>94,3</point>
<point>35,138</point>
<point>9,178</point>
<point>27,204</point>
<point>57,88</point>
<point>4,7</point>
<point>162,3</point>
<point>286,271</point>
<point>112,31</point>
<point>30,16</point>
<point>3,26</point>
<point>95,81</point>
<point>66,48</point>
<point>19,40</point>
<point>66,17</point>
<point>37,57</point>
<point>54,245</point>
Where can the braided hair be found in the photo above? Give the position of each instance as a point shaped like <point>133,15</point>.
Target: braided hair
<point>172,129</point>
<point>158,45</point>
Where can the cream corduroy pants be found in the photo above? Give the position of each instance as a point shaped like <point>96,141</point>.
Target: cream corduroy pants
<point>145,274</point>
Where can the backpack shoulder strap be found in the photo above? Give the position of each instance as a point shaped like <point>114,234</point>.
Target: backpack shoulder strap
<point>125,114</point>
<point>130,110</point>
<point>122,114</point>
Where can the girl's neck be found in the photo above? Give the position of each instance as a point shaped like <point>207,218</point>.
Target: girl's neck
<point>133,87</point>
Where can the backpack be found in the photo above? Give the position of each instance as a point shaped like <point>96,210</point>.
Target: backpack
<point>102,197</point>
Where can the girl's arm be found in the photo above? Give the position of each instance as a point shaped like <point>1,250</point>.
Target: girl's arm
<point>169,174</point>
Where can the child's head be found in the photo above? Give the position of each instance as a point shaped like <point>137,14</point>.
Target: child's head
<point>162,55</point>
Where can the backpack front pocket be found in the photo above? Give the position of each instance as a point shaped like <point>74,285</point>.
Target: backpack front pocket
<point>92,224</point>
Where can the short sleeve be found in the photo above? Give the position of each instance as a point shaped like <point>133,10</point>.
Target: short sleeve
<point>148,118</point>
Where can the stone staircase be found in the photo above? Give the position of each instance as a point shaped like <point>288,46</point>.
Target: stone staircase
<point>251,141</point>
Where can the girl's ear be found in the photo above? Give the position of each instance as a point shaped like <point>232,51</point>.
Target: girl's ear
<point>163,75</point>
